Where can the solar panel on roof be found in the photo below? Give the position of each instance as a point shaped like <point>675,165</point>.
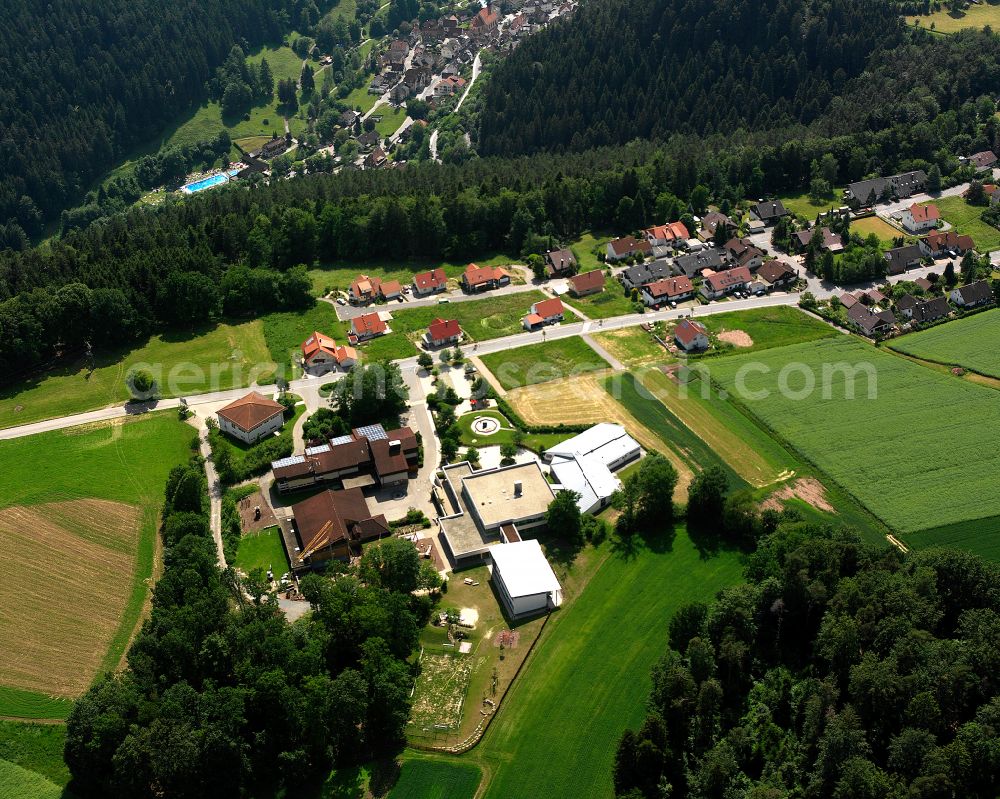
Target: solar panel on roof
<point>373,432</point>
<point>317,450</point>
<point>335,442</point>
<point>289,461</point>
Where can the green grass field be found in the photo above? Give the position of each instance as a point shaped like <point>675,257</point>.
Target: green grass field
<point>222,357</point>
<point>360,99</point>
<point>588,680</point>
<point>35,747</point>
<point>770,327</point>
<point>540,363</point>
<point>967,219</point>
<point>584,247</point>
<point>610,302</point>
<point>392,118</point>
<point>873,224</point>
<point>969,343</point>
<point>978,16</point>
<point>126,461</point>
<point>914,445</point>
<point>803,205</point>
<point>22,704</point>
<point>20,783</point>
<point>633,346</point>
<point>533,441</point>
<point>426,778</point>
<point>262,550</point>
<point>284,333</point>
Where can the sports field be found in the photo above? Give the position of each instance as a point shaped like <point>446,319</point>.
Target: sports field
<point>540,363</point>
<point>968,342</point>
<point>78,517</point>
<point>182,362</point>
<point>588,679</point>
<point>914,445</point>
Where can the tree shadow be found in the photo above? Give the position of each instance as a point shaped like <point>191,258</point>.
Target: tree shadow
<point>709,540</point>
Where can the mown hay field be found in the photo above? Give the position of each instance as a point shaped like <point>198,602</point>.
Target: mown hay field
<point>970,343</point>
<point>915,446</point>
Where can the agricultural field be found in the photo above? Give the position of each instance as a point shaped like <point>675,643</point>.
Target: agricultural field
<point>586,400</point>
<point>633,346</point>
<point>21,783</point>
<point>975,16</point>
<point>540,363</point>
<point>803,205</point>
<point>769,327</point>
<point>81,533</point>
<point>38,748</point>
<point>219,358</point>
<point>262,550</point>
<point>590,671</point>
<point>873,224</point>
<point>426,778</point>
<point>969,343</point>
<point>610,302</point>
<point>967,218</point>
<point>884,434</point>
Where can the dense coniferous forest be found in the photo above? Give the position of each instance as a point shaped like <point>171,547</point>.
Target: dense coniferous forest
<point>85,80</point>
<point>625,69</point>
<point>835,671</point>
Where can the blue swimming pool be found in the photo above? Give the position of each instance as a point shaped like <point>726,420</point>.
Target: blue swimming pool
<point>206,183</point>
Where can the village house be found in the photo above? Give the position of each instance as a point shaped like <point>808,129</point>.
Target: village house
<point>672,289</point>
<point>560,263</point>
<point>922,312</point>
<point>972,295</point>
<point>920,218</point>
<point>744,253</point>
<point>586,283</point>
<point>711,221</point>
<point>870,324</point>
<point>938,244</point>
<point>768,211</point>
<point>669,235</point>
<point>642,274</point>
<point>719,284</point>
<point>364,290</point>
<point>691,335</point>
<point>875,190</point>
<point>848,300</point>
<point>828,240</point>
<point>376,159</point>
<point>368,326</point>
<point>425,283</point>
<point>368,139</point>
<point>544,312</point>
<point>484,24</point>
<point>923,284</point>
<point>449,85</point>
<point>251,417</point>
<point>333,525</point>
<point>390,290</point>
<point>484,278</point>
<point>902,259</point>
<point>369,456</point>
<point>626,247</point>
<point>442,332</point>
<point>320,352</point>
<point>775,274</point>
<point>982,161</point>
<point>693,264</point>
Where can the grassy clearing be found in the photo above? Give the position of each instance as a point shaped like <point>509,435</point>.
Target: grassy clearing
<point>876,445</point>
<point>536,442</point>
<point>91,472</point>
<point>967,219</point>
<point>392,118</point>
<point>262,550</point>
<point>873,224</point>
<point>20,783</point>
<point>35,747</point>
<point>219,358</point>
<point>610,302</point>
<point>590,672</point>
<point>361,100</point>
<point>284,333</point>
<point>770,327</point>
<point>633,346</point>
<point>21,704</point>
<point>540,363</point>
<point>969,343</point>
<point>978,16</point>
<point>803,205</point>
<point>425,778</point>
<point>584,248</point>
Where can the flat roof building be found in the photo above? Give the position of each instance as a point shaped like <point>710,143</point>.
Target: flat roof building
<point>524,579</point>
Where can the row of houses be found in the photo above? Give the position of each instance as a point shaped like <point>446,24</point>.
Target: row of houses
<point>868,311</point>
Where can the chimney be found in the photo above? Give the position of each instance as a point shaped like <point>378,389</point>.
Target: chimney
<point>395,447</point>
<point>517,488</point>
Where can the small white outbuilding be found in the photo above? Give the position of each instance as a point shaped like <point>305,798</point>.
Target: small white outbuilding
<point>523,578</point>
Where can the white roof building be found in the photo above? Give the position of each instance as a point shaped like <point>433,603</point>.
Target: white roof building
<point>523,578</point>
<point>585,463</point>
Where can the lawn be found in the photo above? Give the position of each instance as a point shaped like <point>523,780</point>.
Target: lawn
<point>360,99</point>
<point>81,532</point>
<point>424,778</point>
<point>589,678</point>
<point>915,446</point>
<point>221,357</point>
<point>262,550</point>
<point>978,16</point>
<point>633,346</point>
<point>537,442</point>
<point>967,219</point>
<point>35,747</point>
<point>969,343</point>
<point>284,333</point>
<point>803,205</point>
<point>20,783</point>
<point>584,248</point>
<point>770,327</point>
<point>540,363</point>
<point>392,118</point>
<point>872,224</point>
<point>17,703</point>
<point>610,302</point>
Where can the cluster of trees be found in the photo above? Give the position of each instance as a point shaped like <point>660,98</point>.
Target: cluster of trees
<point>223,696</point>
<point>239,84</point>
<point>627,69</point>
<point>88,79</point>
<point>373,393</point>
<point>837,670</point>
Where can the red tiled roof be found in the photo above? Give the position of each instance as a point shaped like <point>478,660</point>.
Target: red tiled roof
<point>628,245</point>
<point>368,323</point>
<point>925,213</point>
<point>318,342</point>
<point>686,331</point>
<point>533,319</point>
<point>390,288</point>
<point>548,308</point>
<point>669,287</point>
<point>731,277</point>
<point>436,278</point>
<point>333,517</point>
<point>251,411</point>
<point>937,240</point>
<point>364,286</point>
<point>587,281</point>
<point>441,329</point>
<point>477,275</point>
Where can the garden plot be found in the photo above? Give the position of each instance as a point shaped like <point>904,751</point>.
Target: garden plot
<point>440,691</point>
